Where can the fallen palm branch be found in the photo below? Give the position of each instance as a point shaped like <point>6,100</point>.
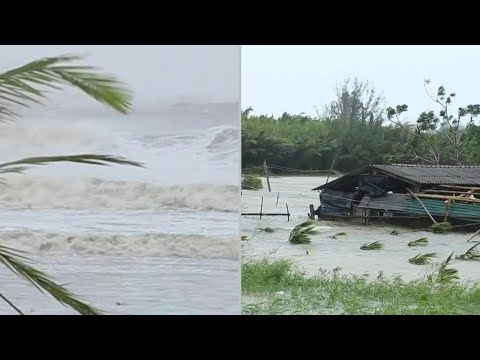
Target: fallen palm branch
<point>422,259</point>
<point>301,234</point>
<point>471,254</point>
<point>15,261</point>
<point>419,242</point>
<point>377,245</point>
<point>338,234</point>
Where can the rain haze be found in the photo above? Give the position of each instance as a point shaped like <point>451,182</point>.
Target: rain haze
<point>295,79</point>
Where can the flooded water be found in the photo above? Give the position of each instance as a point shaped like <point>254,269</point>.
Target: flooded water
<point>344,252</point>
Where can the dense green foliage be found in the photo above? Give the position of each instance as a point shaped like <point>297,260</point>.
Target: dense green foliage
<point>358,129</point>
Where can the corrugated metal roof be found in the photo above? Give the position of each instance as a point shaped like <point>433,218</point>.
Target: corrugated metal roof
<point>434,174</point>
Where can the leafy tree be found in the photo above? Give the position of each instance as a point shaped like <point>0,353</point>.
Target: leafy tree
<point>439,133</point>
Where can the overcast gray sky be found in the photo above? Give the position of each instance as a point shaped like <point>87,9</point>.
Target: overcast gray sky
<point>154,72</point>
<point>294,79</point>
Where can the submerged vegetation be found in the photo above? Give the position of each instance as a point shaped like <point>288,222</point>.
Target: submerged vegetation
<point>301,234</point>
<point>357,129</point>
<point>422,259</point>
<point>252,182</point>
<point>278,287</point>
<point>419,242</point>
<point>470,254</point>
<point>25,85</point>
<point>376,245</point>
<point>337,235</point>
<point>441,228</point>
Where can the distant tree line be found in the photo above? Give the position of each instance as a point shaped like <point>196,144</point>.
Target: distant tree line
<point>358,129</point>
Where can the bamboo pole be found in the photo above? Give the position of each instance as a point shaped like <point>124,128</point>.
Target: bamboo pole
<point>421,203</point>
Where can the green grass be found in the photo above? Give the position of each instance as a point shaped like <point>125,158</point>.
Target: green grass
<point>278,287</point>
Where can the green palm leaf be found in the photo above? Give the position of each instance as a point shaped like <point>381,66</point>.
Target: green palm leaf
<point>471,254</point>
<point>422,259</point>
<point>18,264</point>
<point>301,234</point>
<point>28,84</point>
<point>376,245</point>
<point>93,159</point>
<point>419,242</point>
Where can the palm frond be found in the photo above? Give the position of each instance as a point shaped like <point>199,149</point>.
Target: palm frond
<point>419,242</point>
<point>301,234</point>
<point>446,274</point>
<point>394,232</point>
<point>15,261</point>
<point>422,259</point>
<point>471,254</point>
<point>93,159</point>
<point>338,234</point>
<point>377,245</point>
<point>27,84</point>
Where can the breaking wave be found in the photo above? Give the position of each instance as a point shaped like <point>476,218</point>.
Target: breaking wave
<point>142,245</point>
<point>27,192</point>
<point>225,139</point>
<point>215,138</point>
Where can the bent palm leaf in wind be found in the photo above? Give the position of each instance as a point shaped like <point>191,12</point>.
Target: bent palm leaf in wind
<point>29,84</point>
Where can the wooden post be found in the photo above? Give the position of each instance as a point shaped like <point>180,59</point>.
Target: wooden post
<point>266,175</point>
<point>421,203</point>
<point>331,168</point>
<point>312,212</point>
<point>288,213</point>
<point>278,196</point>
<point>261,208</point>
